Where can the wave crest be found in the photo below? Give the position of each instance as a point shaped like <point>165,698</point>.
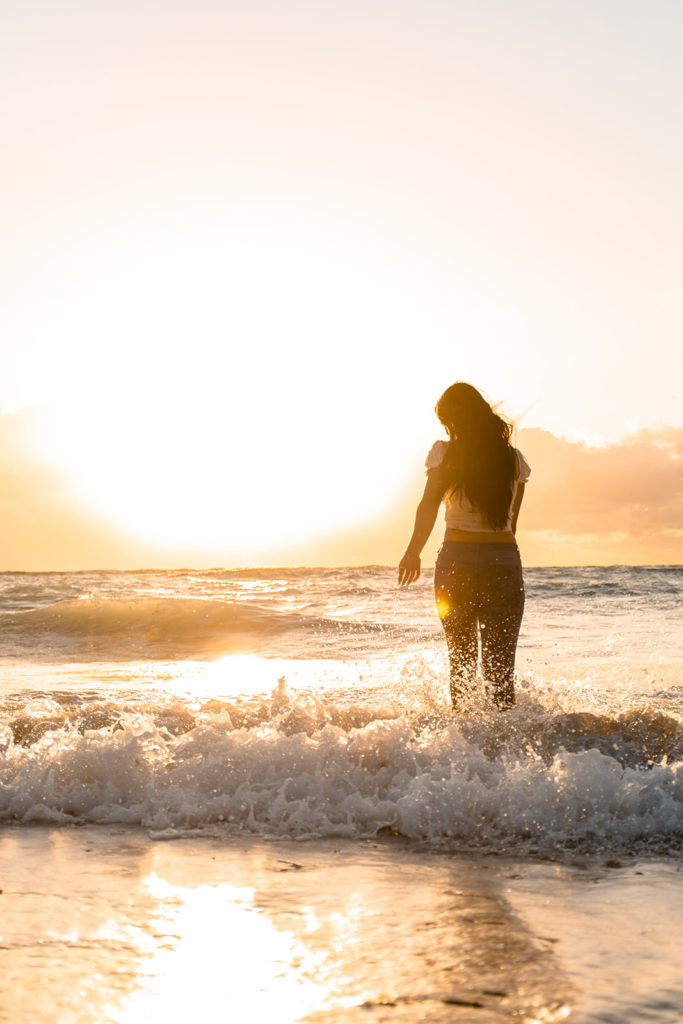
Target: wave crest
<point>165,627</point>
<point>282,766</point>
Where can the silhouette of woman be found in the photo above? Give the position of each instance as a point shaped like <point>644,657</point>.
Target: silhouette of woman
<point>478,583</point>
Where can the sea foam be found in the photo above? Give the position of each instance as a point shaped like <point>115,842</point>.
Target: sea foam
<point>296,765</point>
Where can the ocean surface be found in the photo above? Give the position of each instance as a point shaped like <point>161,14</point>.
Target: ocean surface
<point>313,703</point>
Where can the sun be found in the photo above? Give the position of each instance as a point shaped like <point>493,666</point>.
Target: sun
<point>225,390</point>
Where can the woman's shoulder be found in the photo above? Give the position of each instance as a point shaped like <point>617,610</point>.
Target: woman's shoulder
<point>436,455</point>
<point>523,467</point>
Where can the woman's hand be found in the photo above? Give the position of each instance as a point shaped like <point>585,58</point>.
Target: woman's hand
<point>408,569</point>
<point>425,517</point>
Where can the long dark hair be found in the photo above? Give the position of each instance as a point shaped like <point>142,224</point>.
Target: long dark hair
<point>480,462</point>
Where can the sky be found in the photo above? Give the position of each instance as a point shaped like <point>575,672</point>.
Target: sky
<point>246,245</point>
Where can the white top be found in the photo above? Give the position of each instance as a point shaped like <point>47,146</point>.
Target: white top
<point>460,512</point>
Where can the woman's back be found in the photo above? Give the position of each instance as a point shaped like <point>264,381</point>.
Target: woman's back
<point>461,512</point>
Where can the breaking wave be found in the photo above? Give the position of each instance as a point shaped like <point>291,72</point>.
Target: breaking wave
<point>297,765</point>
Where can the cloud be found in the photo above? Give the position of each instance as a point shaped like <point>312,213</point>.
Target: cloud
<point>633,487</point>
<point>620,503</point>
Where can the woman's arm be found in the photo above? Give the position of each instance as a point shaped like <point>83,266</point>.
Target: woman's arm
<point>516,505</point>
<point>425,517</point>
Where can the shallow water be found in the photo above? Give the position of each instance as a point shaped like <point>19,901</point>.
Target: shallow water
<point>120,928</point>
<point>328,715</point>
<point>318,613</point>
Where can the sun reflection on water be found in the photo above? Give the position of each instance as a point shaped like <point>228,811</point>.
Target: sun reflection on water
<point>210,946</point>
<point>250,675</point>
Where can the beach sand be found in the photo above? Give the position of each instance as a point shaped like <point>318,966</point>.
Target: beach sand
<point>118,925</point>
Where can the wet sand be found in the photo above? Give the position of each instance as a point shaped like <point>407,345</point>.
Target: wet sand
<point>110,925</point>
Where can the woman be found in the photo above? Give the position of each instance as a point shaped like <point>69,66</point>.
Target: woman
<point>478,583</point>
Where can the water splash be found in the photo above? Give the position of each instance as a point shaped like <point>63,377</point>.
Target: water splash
<point>296,763</point>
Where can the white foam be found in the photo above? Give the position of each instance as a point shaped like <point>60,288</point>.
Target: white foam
<point>302,767</point>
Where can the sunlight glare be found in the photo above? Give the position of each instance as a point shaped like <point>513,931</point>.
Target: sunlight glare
<point>225,390</point>
<point>218,951</point>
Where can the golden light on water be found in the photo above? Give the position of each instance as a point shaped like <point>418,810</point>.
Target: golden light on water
<point>251,675</point>
<point>121,927</point>
<point>218,951</point>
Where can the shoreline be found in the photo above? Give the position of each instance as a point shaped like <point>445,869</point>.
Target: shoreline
<point>105,924</point>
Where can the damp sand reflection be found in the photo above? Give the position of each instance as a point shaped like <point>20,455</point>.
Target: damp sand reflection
<point>111,926</point>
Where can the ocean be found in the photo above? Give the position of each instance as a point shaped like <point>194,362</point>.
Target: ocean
<point>305,713</point>
<point>299,702</point>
